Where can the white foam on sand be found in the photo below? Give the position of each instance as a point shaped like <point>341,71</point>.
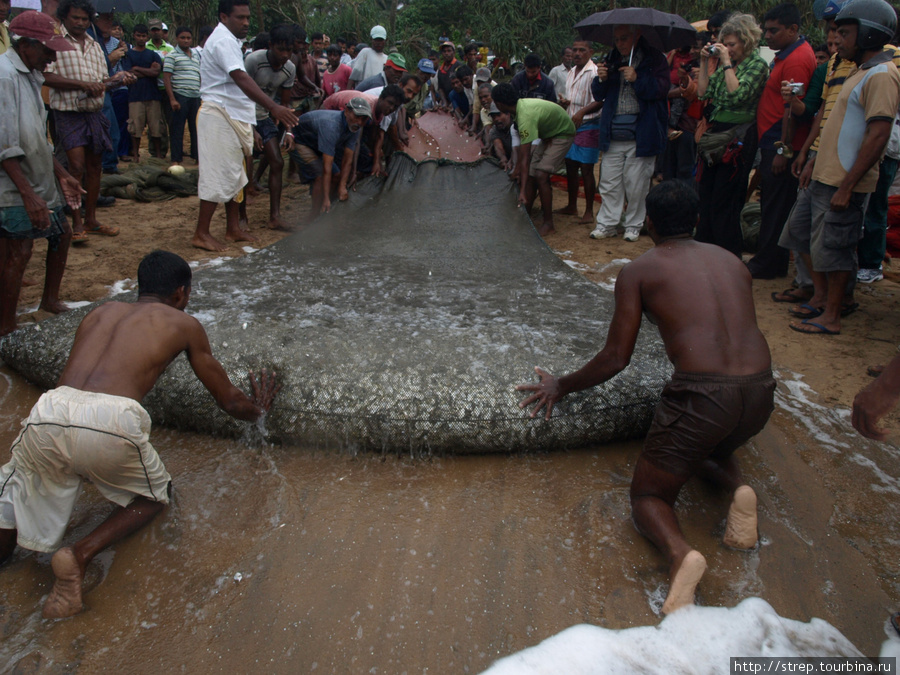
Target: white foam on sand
<point>690,640</point>
<point>823,423</point>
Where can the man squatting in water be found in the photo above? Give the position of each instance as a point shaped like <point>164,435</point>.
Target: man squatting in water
<point>93,426</point>
<point>721,393</point>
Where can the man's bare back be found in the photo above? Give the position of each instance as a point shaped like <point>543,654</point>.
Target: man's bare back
<point>699,295</point>
<point>122,348</point>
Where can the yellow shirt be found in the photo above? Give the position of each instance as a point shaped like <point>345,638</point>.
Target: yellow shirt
<point>4,38</point>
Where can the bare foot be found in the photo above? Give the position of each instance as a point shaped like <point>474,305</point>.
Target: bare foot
<point>55,307</point>
<point>567,211</point>
<point>65,598</point>
<point>685,577</point>
<point>545,229</point>
<point>240,235</point>
<point>276,223</point>
<point>26,282</point>
<point>740,528</point>
<point>208,243</point>
<point>587,218</point>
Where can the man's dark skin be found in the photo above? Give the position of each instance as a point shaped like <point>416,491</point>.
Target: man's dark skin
<point>15,253</point>
<point>238,23</point>
<point>140,44</point>
<point>830,287</point>
<point>277,55</point>
<point>778,37</point>
<point>121,349</point>
<point>700,297</point>
<point>581,54</point>
<point>84,165</point>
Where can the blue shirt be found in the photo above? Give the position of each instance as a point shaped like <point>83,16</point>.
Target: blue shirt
<point>460,101</point>
<point>325,131</point>
<point>145,88</point>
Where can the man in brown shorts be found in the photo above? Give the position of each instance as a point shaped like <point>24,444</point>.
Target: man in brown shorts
<point>722,391</point>
<point>92,426</point>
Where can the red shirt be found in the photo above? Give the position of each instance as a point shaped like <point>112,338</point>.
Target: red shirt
<point>336,81</point>
<point>794,63</point>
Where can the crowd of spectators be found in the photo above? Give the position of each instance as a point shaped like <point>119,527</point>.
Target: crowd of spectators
<point>710,114</point>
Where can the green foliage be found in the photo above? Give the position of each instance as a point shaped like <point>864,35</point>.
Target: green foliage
<point>512,28</point>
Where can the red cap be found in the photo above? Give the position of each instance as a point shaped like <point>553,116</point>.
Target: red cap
<point>395,66</point>
<point>41,27</point>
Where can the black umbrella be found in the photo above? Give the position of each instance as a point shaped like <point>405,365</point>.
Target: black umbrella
<point>663,31</point>
<point>125,6</point>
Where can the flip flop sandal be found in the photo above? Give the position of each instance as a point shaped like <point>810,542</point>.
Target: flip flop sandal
<point>104,230</point>
<point>820,329</point>
<point>789,293</point>
<point>809,312</point>
<point>79,237</point>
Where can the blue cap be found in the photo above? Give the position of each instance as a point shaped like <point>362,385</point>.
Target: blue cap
<point>426,66</point>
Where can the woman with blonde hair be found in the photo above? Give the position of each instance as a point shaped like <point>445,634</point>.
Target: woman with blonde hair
<point>728,146</point>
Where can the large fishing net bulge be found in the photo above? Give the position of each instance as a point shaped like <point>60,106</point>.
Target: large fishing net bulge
<point>400,322</point>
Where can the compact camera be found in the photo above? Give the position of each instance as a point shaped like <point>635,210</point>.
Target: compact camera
<point>797,88</point>
<point>713,50</point>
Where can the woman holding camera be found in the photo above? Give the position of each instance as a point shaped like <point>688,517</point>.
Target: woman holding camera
<point>728,146</point>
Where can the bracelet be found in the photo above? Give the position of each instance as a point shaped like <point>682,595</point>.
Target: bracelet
<point>728,67</point>
<point>288,133</point>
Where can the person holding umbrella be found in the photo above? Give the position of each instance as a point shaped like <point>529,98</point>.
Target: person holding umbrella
<point>633,84</point>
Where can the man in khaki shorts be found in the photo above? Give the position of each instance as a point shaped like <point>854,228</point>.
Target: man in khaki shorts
<point>544,121</point>
<point>92,426</point>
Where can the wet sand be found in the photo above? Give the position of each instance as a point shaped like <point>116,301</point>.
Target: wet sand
<point>299,560</point>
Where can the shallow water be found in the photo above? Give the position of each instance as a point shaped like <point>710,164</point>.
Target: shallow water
<point>281,559</point>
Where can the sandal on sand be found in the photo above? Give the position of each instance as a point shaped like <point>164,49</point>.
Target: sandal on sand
<point>79,237</point>
<point>817,329</point>
<point>806,311</point>
<point>790,295</point>
<point>105,230</point>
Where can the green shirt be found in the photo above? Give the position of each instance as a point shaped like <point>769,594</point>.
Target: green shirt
<point>739,106</point>
<point>537,118</point>
<point>163,50</point>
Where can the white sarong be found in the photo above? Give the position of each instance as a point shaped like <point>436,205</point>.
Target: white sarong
<point>224,145</point>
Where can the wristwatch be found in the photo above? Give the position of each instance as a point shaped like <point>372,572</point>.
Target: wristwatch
<point>783,150</point>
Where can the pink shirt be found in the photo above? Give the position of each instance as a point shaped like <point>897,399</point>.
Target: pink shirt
<point>336,81</point>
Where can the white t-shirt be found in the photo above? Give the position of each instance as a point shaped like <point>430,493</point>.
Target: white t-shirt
<point>221,56</point>
<point>367,63</point>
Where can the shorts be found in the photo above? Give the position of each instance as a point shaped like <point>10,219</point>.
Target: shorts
<point>144,114</point>
<point>15,224</point>
<point>586,144</point>
<point>71,436</point>
<point>704,416</point>
<point>310,164</point>
<point>267,128</point>
<point>834,235</point>
<point>550,155</point>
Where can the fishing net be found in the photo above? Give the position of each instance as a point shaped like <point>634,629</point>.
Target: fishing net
<point>399,322</point>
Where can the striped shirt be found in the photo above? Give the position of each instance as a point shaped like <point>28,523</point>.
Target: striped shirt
<point>739,106</point>
<point>185,71</point>
<point>85,63</point>
<point>163,50</point>
<point>578,88</point>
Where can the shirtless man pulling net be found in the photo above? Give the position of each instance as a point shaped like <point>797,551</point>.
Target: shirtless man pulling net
<point>721,393</point>
<point>93,426</point>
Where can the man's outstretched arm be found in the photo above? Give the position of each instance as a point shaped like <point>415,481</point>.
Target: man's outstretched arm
<point>213,376</point>
<point>615,356</point>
